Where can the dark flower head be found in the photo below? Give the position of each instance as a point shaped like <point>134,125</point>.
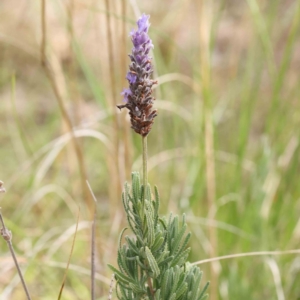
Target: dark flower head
<point>138,96</point>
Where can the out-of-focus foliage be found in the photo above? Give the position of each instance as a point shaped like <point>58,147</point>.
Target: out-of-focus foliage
<point>231,64</point>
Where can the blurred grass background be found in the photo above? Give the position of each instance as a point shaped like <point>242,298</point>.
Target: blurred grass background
<point>224,149</point>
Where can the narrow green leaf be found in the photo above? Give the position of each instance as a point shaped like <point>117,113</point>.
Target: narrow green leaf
<point>161,257</point>
<point>120,275</point>
<point>163,223</point>
<point>181,290</point>
<point>136,288</point>
<point>152,263</point>
<point>181,257</point>
<point>121,235</point>
<point>136,187</point>
<point>173,297</point>
<point>141,264</point>
<point>140,240</point>
<point>157,295</point>
<point>157,243</point>
<point>165,261</point>
<point>120,287</point>
<point>185,242</point>
<point>132,245</point>
<point>150,226</point>
<point>196,284</point>
<point>177,240</point>
<point>175,279</point>
<point>148,194</point>
<point>156,206</point>
<point>202,296</point>
<point>164,284</point>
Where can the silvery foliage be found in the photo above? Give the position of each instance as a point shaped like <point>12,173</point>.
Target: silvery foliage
<point>153,261</point>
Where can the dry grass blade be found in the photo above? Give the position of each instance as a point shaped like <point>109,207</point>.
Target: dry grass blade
<point>255,253</point>
<point>67,268</point>
<point>277,278</point>
<point>128,152</point>
<point>79,270</point>
<point>178,77</point>
<point>93,245</point>
<point>51,74</point>
<point>205,29</point>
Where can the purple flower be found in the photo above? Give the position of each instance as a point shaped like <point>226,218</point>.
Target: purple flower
<point>126,93</point>
<point>138,96</point>
<point>131,77</point>
<point>143,23</point>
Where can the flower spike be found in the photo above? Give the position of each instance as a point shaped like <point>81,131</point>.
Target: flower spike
<point>138,96</point>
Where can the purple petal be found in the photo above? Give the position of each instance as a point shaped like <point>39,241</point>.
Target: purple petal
<point>131,77</point>
<point>139,39</point>
<point>143,23</point>
<point>132,32</point>
<point>126,92</point>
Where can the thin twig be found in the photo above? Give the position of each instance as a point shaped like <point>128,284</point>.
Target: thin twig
<point>7,236</point>
<point>69,259</point>
<point>111,287</point>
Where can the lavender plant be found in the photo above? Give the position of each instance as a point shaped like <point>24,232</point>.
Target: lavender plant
<point>152,263</point>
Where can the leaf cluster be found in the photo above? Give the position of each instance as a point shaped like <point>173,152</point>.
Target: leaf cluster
<point>153,262</point>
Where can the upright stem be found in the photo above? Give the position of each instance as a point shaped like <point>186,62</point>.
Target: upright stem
<point>145,171</point>
<point>145,174</point>
<point>145,184</point>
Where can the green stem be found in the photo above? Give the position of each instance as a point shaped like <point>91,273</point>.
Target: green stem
<point>145,171</point>
<point>145,174</point>
<point>145,184</point>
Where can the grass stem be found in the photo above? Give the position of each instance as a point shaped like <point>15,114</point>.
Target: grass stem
<point>115,168</point>
<point>247,254</point>
<point>93,246</point>
<point>123,65</point>
<point>206,12</point>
